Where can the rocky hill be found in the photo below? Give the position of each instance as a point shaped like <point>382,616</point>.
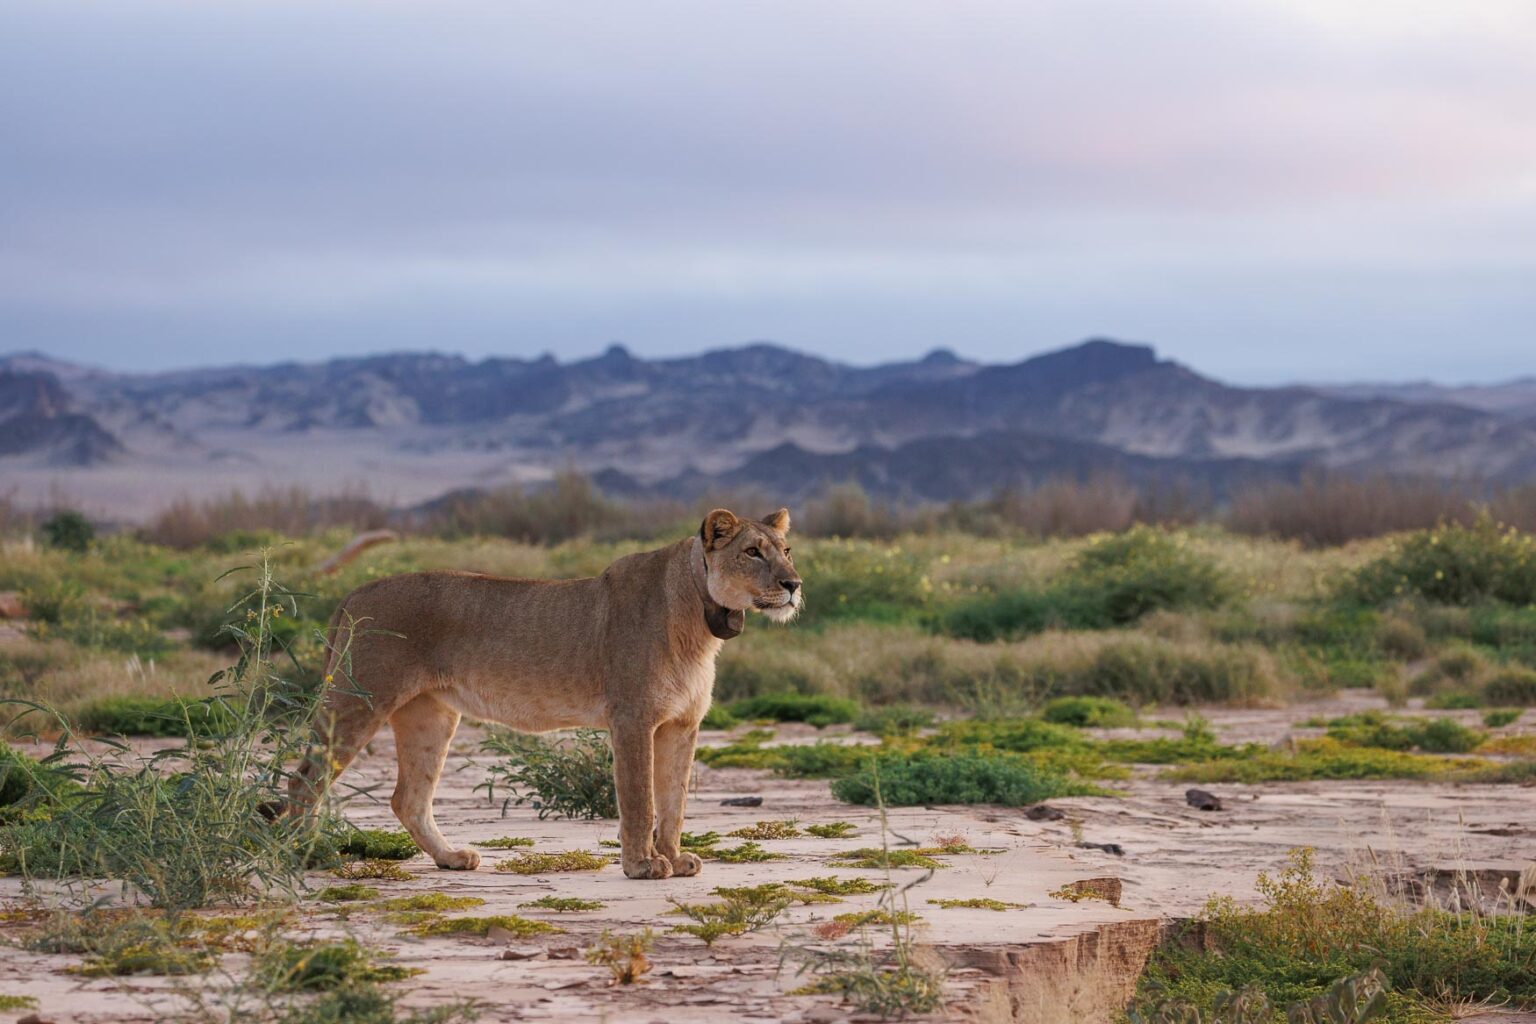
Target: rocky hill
<point>935,429</point>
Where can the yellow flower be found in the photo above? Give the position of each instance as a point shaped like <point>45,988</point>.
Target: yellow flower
<point>276,611</point>
<point>330,679</point>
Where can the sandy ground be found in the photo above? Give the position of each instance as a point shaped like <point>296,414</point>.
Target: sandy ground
<point>1054,961</point>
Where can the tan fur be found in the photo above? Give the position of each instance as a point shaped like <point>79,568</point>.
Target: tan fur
<point>628,651</point>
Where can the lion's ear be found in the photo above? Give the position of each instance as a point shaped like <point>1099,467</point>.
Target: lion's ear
<point>719,527</point>
<point>778,522</point>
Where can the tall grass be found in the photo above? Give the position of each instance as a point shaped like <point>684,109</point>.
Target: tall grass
<point>185,826</point>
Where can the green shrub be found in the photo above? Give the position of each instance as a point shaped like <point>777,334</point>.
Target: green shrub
<point>960,778</point>
<point>1373,729</point>
<point>1453,701</point>
<point>1500,717</point>
<point>1005,615</point>
<point>1019,735</point>
<point>1118,580</point>
<point>569,778</point>
<point>1325,759</point>
<point>69,531</point>
<point>1451,564</point>
<point>1089,712</point>
<point>792,760</point>
<point>814,709</point>
<point>894,720</point>
<point>1113,582</point>
<point>1515,686</point>
<point>1147,670</point>
<point>1509,630</point>
<point>717,717</point>
<point>155,716</point>
<point>860,579</point>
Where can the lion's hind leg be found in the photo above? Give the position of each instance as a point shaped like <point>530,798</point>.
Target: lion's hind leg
<point>423,729</point>
<point>342,728</point>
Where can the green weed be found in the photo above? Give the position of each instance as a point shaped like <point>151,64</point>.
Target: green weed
<point>564,904</point>
<point>1089,712</point>
<point>382,870</point>
<point>1308,933</point>
<point>503,843</point>
<point>739,910</point>
<point>545,863</point>
<point>321,966</point>
<point>814,709</point>
<point>346,893</point>
<point>746,853</point>
<point>520,927</point>
<point>623,955</point>
<point>978,903</point>
<point>567,778</point>
<point>767,830</point>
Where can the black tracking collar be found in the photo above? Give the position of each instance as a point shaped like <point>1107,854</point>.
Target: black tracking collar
<point>724,623</point>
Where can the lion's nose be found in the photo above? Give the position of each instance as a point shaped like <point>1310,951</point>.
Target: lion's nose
<point>790,585</point>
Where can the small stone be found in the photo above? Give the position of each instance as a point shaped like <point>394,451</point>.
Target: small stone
<point>742,801</point>
<point>565,953</point>
<point>1200,800</point>
<point>514,953</point>
<point>11,606</point>
<point>1111,848</point>
<point>1040,812</point>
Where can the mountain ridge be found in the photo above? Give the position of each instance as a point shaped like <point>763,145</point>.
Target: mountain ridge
<point>935,428</point>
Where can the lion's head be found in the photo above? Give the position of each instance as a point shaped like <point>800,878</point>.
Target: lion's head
<point>748,564</point>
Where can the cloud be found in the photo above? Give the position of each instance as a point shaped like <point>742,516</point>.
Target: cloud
<point>189,179</point>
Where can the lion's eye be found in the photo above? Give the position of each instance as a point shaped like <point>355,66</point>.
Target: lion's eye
<point>754,553</point>
<point>786,552</point>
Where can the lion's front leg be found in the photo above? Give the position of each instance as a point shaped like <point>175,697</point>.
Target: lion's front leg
<point>633,764</point>
<point>674,766</point>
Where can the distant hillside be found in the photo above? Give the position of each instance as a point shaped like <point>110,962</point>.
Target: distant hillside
<point>413,425</point>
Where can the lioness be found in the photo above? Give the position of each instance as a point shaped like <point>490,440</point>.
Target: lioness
<point>631,651</point>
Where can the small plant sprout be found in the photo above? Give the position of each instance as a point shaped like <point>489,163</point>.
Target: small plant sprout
<point>833,830</point>
<point>623,955</point>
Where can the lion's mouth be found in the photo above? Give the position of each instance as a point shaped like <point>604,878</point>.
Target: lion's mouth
<point>782,610</point>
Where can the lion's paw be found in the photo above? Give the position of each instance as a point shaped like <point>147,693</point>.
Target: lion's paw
<point>685,864</point>
<point>648,867</point>
<point>459,860</point>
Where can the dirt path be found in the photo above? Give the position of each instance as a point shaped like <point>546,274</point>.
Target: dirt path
<point>1054,961</point>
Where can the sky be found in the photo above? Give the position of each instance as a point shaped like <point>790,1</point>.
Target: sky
<point>1268,190</point>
